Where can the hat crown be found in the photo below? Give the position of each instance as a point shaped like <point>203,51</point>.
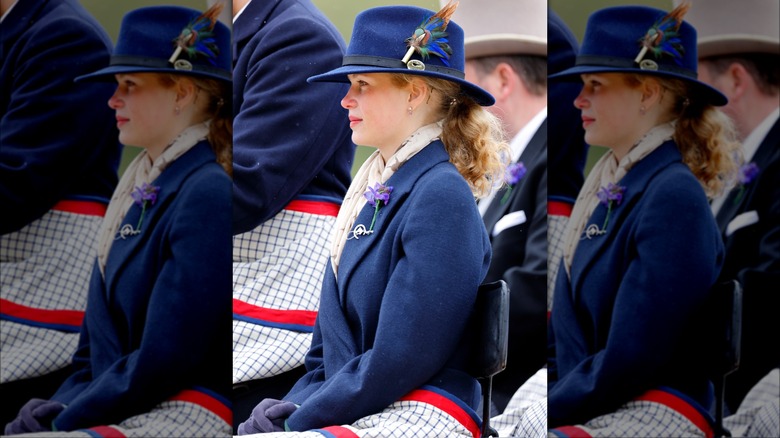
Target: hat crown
<point>617,33</point>
<point>382,32</point>
<point>151,32</point>
<point>728,27</point>
<point>511,27</point>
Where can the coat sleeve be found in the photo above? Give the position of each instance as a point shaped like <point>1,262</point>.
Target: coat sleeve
<point>424,309</point>
<point>286,129</point>
<point>187,314</point>
<point>54,133</point>
<point>673,256</point>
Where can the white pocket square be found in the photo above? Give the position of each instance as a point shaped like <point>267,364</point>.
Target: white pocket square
<point>508,221</point>
<point>741,221</point>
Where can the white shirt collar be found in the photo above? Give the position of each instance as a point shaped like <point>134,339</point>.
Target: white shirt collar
<point>10,8</point>
<point>238,14</point>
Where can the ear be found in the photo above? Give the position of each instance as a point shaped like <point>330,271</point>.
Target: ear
<point>507,81</point>
<point>739,80</point>
<point>185,91</point>
<point>651,92</point>
<point>418,92</point>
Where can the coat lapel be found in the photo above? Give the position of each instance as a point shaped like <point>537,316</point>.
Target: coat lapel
<point>250,22</point>
<point>497,209</point>
<point>170,182</point>
<point>402,181</point>
<point>765,154</point>
<point>635,182</point>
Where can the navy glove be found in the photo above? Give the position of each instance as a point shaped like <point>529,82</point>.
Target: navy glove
<point>35,416</point>
<point>267,416</point>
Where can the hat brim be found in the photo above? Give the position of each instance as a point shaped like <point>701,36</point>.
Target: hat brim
<point>735,44</point>
<point>479,95</point>
<point>504,44</point>
<point>712,95</point>
<point>107,74</point>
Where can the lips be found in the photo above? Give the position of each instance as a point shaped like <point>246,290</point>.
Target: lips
<point>353,121</point>
<point>121,121</point>
<point>587,121</point>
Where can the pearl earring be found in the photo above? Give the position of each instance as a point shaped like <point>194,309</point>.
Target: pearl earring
<point>410,111</point>
<point>177,110</point>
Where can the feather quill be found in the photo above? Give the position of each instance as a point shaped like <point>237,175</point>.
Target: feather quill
<point>430,37</point>
<point>662,38</point>
<point>197,38</point>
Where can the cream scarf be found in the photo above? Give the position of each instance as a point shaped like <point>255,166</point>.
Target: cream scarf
<point>607,170</point>
<point>374,170</point>
<point>141,170</point>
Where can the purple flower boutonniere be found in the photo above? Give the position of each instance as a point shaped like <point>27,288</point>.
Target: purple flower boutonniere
<point>144,196</point>
<point>609,196</point>
<point>514,173</point>
<point>747,173</point>
<point>377,196</point>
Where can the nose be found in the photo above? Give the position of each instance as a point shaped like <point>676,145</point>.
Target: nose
<point>348,101</point>
<point>114,101</point>
<point>580,101</point>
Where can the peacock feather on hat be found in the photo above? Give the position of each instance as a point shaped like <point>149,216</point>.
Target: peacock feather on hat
<point>663,39</point>
<point>197,38</point>
<point>430,37</point>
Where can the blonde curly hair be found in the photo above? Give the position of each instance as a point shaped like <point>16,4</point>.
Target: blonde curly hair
<point>705,136</point>
<point>472,136</point>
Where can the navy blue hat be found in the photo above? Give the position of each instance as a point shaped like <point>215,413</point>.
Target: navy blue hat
<point>378,45</point>
<point>170,39</point>
<point>613,42</point>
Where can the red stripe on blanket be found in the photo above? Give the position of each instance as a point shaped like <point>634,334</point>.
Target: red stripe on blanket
<point>207,402</point>
<point>45,316</point>
<point>681,406</point>
<point>296,317</point>
<point>557,208</point>
<point>445,405</point>
<point>106,432</point>
<point>338,432</point>
<point>82,207</point>
<point>314,207</point>
<point>570,432</point>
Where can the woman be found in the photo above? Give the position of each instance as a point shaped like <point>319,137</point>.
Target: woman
<point>409,249</point>
<point>154,352</point>
<point>642,249</point>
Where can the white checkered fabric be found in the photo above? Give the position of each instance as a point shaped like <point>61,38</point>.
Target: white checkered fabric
<point>642,418</point>
<point>47,265</point>
<point>526,413</point>
<point>278,265</point>
<point>402,419</point>
<point>759,413</point>
<point>556,225</point>
<point>168,419</point>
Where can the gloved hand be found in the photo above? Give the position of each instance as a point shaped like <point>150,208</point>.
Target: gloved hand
<point>267,416</point>
<point>35,416</point>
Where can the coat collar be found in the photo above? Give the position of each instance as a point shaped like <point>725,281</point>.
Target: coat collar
<point>402,181</point>
<point>21,17</point>
<point>636,182</point>
<point>254,17</point>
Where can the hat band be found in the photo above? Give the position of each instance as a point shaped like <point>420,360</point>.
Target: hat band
<point>142,61</point>
<point>609,61</point>
<point>379,61</point>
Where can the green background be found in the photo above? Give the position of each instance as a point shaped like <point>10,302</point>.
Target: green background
<point>342,13</point>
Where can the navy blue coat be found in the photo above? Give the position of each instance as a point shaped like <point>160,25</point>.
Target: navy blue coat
<point>753,258</point>
<point>395,318</point>
<point>625,322</point>
<point>58,139</point>
<point>290,137</point>
<point>160,322</point>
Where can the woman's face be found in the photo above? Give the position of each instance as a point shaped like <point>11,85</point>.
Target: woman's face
<point>378,112</point>
<point>145,111</point>
<point>610,111</point>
